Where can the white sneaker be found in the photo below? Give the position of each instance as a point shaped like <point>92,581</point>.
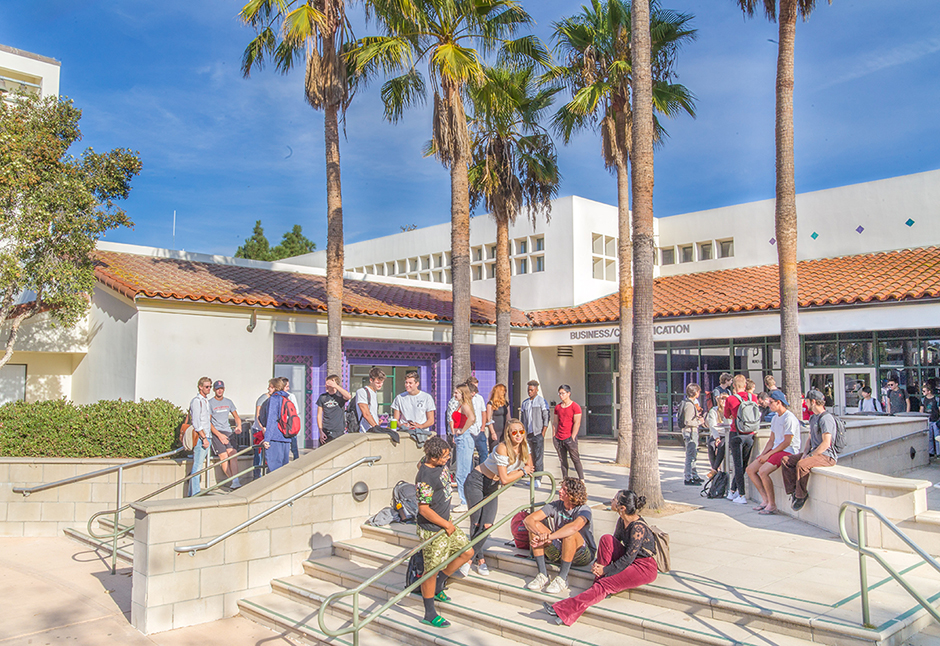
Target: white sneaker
<point>482,570</point>
<point>538,583</point>
<point>557,586</point>
<point>732,495</point>
<point>538,483</point>
<point>460,509</point>
<point>741,500</point>
<point>465,569</point>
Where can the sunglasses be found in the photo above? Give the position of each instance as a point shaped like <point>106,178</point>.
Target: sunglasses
<point>518,432</point>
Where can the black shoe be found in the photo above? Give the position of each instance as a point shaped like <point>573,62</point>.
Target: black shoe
<point>798,503</point>
<point>693,482</point>
<point>549,609</point>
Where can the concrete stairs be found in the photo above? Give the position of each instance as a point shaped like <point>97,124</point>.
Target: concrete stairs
<point>125,545</point>
<point>499,610</point>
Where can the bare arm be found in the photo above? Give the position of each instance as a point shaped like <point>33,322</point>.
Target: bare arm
<point>320,422</point>
<point>575,425</point>
<point>433,517</point>
<point>366,414</point>
<point>238,422</point>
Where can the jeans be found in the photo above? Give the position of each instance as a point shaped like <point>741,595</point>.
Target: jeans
<point>278,454</point>
<point>293,447</point>
<point>463,445</point>
<point>481,445</point>
<point>537,450</point>
<point>740,445</point>
<point>258,462</point>
<point>565,448</point>
<point>200,454</point>
<point>690,439</point>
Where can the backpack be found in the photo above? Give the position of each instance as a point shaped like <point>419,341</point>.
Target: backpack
<point>288,422</point>
<point>353,416</point>
<point>747,419</point>
<point>838,442</point>
<point>415,570</point>
<point>405,501</point>
<point>520,535</point>
<point>661,539</point>
<point>680,417</point>
<point>716,487</point>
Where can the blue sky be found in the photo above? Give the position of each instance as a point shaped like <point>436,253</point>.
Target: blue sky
<point>163,78</point>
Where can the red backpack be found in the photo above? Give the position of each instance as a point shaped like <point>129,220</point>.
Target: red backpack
<point>288,422</point>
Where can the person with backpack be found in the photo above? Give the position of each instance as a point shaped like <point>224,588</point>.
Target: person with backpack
<point>716,421</point>
<point>276,443</point>
<point>365,405</point>
<point>784,440</point>
<point>331,410</point>
<point>690,419</point>
<point>744,414</point>
<point>826,439</point>
<point>626,559</point>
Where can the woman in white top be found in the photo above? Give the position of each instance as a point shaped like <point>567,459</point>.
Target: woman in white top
<point>717,424</point>
<point>509,462</point>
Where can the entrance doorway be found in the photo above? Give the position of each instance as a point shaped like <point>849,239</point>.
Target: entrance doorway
<point>297,374</point>
<point>841,386</point>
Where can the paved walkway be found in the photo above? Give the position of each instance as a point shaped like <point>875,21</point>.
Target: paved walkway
<point>54,591</point>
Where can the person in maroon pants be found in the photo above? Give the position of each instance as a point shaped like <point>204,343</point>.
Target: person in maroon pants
<point>625,560</point>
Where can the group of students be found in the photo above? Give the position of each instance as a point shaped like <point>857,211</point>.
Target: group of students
<point>560,532</point>
<point>740,411</point>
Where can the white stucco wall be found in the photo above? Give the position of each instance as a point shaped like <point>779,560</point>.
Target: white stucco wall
<point>32,69</point>
<point>109,368</point>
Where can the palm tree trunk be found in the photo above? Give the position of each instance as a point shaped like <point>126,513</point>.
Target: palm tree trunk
<point>644,470</point>
<point>625,359</point>
<point>503,299</point>
<point>460,262</point>
<point>334,245</point>
<point>785,212</point>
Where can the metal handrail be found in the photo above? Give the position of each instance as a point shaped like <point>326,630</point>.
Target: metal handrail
<point>864,551</point>
<point>100,472</point>
<point>192,549</point>
<point>358,623</point>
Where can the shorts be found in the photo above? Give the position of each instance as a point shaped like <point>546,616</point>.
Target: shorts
<point>776,458</point>
<point>582,557</point>
<point>442,547</point>
<point>218,448</point>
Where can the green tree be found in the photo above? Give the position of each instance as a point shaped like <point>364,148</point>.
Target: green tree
<point>294,243</point>
<point>257,246</point>
<point>447,35</point>
<point>514,166</point>
<point>53,209</point>
<point>316,32</point>
<point>596,66</point>
<point>785,205</point>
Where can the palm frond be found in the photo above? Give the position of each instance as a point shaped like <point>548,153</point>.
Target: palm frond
<point>302,23</point>
<point>523,52</point>
<point>402,92</point>
<point>264,43</point>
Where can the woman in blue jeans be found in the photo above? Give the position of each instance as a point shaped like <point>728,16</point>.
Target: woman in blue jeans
<point>463,418</point>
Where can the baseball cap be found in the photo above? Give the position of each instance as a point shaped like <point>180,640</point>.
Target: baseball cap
<point>218,384</point>
<point>779,396</point>
<point>816,396</point>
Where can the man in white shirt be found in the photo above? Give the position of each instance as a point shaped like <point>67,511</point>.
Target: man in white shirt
<point>414,409</point>
<point>479,409</point>
<point>784,440</point>
<point>200,418</point>
<point>368,401</point>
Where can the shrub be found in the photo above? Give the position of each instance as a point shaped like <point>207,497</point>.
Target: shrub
<point>105,429</point>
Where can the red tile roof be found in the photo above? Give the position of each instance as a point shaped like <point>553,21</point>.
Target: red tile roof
<point>904,275</point>
<point>170,278</point>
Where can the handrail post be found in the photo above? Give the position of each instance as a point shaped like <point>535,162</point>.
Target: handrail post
<point>117,516</point>
<point>355,618</point>
<point>863,565</point>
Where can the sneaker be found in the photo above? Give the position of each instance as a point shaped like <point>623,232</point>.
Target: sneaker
<point>236,484</point>
<point>693,482</point>
<point>465,569</point>
<point>557,586</point>
<point>538,483</point>
<point>732,495</point>
<point>460,509</point>
<point>741,500</point>
<point>482,570</point>
<point>538,583</point>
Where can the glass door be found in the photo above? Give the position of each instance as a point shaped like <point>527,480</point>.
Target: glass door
<point>853,380</point>
<point>841,386</point>
<point>825,380</point>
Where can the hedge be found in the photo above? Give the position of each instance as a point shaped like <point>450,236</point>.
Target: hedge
<point>105,429</point>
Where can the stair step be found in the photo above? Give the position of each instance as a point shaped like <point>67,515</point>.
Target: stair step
<point>510,572</point>
<point>500,603</point>
<point>125,551</point>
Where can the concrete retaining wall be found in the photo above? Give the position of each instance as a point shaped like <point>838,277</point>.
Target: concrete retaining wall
<point>172,590</point>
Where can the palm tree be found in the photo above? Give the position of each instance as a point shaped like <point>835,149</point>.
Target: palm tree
<point>447,35</point>
<point>595,48</point>
<point>315,31</point>
<point>514,166</point>
<point>785,206</point>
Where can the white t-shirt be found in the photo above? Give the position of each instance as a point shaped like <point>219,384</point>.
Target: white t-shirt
<point>414,408</point>
<point>369,397</point>
<point>255,426</point>
<point>479,408</point>
<point>783,425</point>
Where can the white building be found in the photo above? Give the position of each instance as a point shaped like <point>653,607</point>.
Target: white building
<point>32,72</point>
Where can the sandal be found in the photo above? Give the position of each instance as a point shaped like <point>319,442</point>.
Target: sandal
<point>760,507</point>
<point>767,512</point>
<point>441,596</point>
<point>437,622</point>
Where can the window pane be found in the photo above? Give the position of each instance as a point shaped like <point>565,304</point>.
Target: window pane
<point>669,256</point>
<point>856,353</point>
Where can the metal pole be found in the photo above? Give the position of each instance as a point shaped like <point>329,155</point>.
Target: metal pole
<point>863,567</point>
<point>117,515</point>
<point>355,618</point>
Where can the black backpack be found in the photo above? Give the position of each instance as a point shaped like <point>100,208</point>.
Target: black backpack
<point>716,487</point>
<point>415,570</point>
<point>405,501</point>
<point>353,416</point>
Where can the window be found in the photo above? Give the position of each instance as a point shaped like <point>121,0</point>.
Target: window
<point>725,248</point>
<point>686,254</point>
<point>706,251</point>
<point>522,246</point>
<point>538,263</point>
<point>478,273</point>
<point>491,270</point>
<point>668,255</point>
<point>478,254</point>
<point>597,244</point>
<point>522,266</point>
<point>492,252</point>
<point>539,244</point>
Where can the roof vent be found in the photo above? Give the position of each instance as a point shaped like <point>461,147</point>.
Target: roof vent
<point>565,351</point>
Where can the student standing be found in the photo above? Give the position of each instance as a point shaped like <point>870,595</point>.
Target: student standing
<point>331,410</point>
<point>200,417</point>
<point>462,421</point>
<point>367,399</point>
<point>497,412</point>
<point>690,419</point>
<point>567,425</point>
<point>535,417</point>
<point>276,445</point>
<point>220,407</point>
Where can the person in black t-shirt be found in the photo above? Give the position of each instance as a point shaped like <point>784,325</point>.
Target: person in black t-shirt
<point>433,488</point>
<point>331,410</point>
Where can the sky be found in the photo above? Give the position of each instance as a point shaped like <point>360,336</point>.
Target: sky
<point>222,151</point>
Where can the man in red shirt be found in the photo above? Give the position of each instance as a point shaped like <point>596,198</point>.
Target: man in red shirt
<point>740,443</point>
